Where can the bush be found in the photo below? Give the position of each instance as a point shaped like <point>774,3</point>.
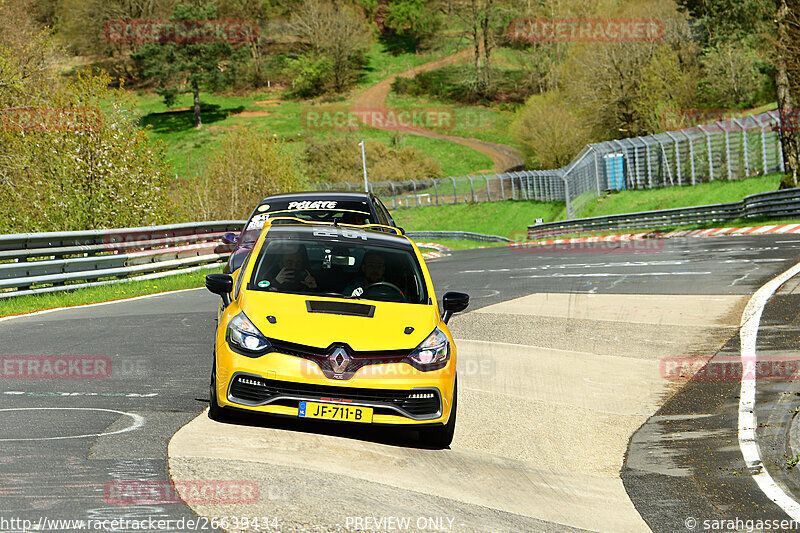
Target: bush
<point>548,132</point>
<point>456,84</point>
<point>103,174</point>
<point>311,74</point>
<point>82,162</point>
<point>247,167</point>
<point>338,159</point>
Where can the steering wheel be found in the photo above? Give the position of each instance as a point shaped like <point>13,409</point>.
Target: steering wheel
<point>384,288</point>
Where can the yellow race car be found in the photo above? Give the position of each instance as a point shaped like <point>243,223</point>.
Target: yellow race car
<point>336,322</point>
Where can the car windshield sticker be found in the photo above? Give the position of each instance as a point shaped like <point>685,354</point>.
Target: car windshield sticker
<point>346,233</point>
<point>263,284</point>
<point>312,205</point>
<point>354,234</point>
<point>263,208</point>
<point>257,222</point>
<point>326,233</point>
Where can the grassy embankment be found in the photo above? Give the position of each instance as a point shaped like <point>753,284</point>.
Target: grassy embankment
<point>511,218</point>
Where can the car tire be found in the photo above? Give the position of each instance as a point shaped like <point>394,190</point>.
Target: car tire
<point>215,412</point>
<point>442,436</point>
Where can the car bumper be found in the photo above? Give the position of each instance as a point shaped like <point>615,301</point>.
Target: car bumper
<point>275,383</point>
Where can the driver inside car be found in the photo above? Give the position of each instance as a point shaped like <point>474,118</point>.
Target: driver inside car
<point>373,269</point>
<point>293,274</point>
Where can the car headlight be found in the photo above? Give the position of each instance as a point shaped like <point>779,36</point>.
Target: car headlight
<point>433,352</point>
<point>245,338</point>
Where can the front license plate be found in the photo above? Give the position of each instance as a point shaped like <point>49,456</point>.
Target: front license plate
<point>330,411</point>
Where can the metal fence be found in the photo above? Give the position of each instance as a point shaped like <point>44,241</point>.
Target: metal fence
<point>457,236</point>
<point>33,263</point>
<point>774,204</point>
<point>723,150</point>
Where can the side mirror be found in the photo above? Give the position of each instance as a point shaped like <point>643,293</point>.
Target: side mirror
<point>221,284</point>
<point>230,238</point>
<point>453,302</point>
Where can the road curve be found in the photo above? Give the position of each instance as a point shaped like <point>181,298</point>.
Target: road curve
<point>505,157</point>
<point>552,386</point>
<point>560,359</point>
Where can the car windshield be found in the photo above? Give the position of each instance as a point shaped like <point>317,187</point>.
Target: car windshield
<point>256,223</point>
<point>339,269</point>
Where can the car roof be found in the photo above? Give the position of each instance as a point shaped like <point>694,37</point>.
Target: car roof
<point>320,195</point>
<point>329,201</point>
<point>307,231</point>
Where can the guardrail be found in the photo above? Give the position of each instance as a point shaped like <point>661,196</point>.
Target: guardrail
<point>457,236</point>
<point>775,204</point>
<point>34,263</point>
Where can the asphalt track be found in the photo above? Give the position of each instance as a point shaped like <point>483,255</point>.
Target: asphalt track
<point>560,354</point>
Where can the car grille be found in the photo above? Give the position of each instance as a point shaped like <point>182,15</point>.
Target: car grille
<point>358,360</point>
<point>254,390</point>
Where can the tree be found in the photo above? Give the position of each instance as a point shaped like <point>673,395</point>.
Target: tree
<point>613,82</point>
<point>733,74</point>
<point>338,159</point>
<point>248,165</point>
<point>189,67</point>
<point>80,24</point>
<point>416,20</point>
<point>334,30</point>
<point>774,26</point>
<point>101,171</point>
<point>786,61</point>
<point>549,132</point>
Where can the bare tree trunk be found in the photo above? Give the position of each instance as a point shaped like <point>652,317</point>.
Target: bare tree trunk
<point>476,40</point>
<point>196,92</point>
<point>486,47</point>
<point>789,122</point>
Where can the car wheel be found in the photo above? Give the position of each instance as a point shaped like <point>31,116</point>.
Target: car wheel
<point>442,436</point>
<point>215,412</point>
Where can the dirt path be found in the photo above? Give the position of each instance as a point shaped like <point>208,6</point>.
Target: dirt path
<point>505,157</point>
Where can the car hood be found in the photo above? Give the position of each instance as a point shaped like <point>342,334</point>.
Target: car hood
<point>319,322</point>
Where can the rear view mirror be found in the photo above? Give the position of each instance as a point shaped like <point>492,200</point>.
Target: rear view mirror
<point>453,302</point>
<point>343,260</point>
<point>230,238</point>
<point>221,284</point>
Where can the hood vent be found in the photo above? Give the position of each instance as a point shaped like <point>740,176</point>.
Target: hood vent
<point>340,308</point>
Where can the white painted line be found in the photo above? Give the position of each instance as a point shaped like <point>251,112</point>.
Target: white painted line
<point>137,422</point>
<point>751,317</point>
<point>612,275</point>
<point>45,311</point>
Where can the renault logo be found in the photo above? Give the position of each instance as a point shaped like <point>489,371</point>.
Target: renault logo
<point>339,360</point>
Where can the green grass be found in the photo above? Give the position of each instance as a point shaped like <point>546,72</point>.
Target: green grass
<point>511,218</point>
<point>459,245</point>
<point>506,219</point>
<point>103,293</point>
<point>715,192</point>
<point>187,147</point>
<point>381,63</point>
<point>479,122</point>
